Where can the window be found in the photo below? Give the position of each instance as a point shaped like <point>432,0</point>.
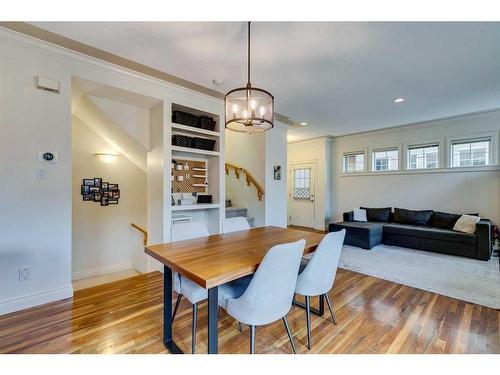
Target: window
<point>385,160</point>
<point>423,156</point>
<point>354,162</point>
<point>302,183</point>
<point>470,153</point>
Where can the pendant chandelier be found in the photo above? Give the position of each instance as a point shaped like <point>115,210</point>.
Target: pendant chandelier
<point>249,109</point>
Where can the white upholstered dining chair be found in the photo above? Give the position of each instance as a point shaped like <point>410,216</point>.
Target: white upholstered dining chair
<point>318,274</point>
<point>268,295</point>
<point>183,286</point>
<point>234,224</point>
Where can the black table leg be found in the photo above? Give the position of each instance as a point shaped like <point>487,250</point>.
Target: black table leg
<point>319,311</point>
<point>213,305</point>
<point>167,312</point>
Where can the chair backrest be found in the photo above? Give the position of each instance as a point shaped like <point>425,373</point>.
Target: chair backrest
<point>319,274</point>
<point>234,224</point>
<point>188,231</point>
<point>270,294</point>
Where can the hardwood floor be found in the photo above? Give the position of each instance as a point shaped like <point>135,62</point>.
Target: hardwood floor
<point>374,316</point>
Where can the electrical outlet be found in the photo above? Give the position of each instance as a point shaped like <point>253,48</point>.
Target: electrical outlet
<point>24,273</point>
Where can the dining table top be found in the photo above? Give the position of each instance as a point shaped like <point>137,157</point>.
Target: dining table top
<point>217,259</point>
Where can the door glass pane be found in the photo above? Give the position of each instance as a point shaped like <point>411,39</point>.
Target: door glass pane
<point>301,184</point>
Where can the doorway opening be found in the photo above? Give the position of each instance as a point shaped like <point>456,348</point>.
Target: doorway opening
<point>112,147</point>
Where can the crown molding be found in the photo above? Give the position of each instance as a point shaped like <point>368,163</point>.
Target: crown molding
<point>96,53</point>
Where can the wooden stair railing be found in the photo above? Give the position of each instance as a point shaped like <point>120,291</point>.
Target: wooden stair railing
<point>250,179</point>
<point>143,231</point>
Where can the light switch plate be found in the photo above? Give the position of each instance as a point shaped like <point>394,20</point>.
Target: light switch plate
<point>41,173</point>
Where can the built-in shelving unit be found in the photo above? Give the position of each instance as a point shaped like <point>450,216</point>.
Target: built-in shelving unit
<point>200,206</point>
<point>193,131</point>
<point>210,177</point>
<point>195,151</point>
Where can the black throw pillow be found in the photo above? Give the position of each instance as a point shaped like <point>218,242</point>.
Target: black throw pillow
<point>443,220</point>
<point>378,214</point>
<point>403,216</point>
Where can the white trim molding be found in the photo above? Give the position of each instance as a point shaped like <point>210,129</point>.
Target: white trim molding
<point>488,168</point>
<point>93,272</point>
<point>35,299</point>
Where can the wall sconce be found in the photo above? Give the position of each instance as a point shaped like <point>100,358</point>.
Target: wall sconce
<point>106,157</point>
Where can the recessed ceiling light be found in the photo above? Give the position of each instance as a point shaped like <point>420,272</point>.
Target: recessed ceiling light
<point>218,82</point>
<point>303,123</point>
<point>399,100</point>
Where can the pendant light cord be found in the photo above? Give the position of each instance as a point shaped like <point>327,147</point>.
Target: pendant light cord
<point>248,81</point>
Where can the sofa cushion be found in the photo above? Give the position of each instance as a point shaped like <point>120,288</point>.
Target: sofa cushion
<point>359,215</point>
<point>467,224</point>
<point>429,232</point>
<point>378,214</point>
<point>357,227</point>
<point>402,216</point>
<point>443,220</point>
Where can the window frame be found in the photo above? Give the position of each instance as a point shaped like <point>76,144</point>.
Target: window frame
<point>413,146</point>
<point>385,149</point>
<point>492,137</point>
<point>348,153</point>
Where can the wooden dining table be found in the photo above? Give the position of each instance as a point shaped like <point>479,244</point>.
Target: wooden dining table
<point>214,260</point>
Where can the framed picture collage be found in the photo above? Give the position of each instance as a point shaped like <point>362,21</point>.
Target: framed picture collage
<point>97,190</point>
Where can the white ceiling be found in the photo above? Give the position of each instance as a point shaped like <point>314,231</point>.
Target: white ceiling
<point>341,78</point>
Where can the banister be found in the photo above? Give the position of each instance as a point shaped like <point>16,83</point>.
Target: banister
<point>249,178</point>
<point>143,231</point>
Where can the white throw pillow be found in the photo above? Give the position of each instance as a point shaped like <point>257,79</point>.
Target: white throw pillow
<point>466,224</point>
<point>359,214</point>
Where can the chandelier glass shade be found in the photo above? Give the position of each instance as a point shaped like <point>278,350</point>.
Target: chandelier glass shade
<point>249,109</point>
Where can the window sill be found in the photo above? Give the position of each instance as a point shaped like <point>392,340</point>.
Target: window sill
<point>488,168</point>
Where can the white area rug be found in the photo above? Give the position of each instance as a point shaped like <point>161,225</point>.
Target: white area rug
<point>466,279</point>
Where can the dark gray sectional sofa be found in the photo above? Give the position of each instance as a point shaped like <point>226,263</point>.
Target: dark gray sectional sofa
<point>424,230</point>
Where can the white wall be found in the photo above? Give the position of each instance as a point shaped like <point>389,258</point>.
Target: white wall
<point>259,153</point>
<point>275,197</point>
<point>316,150</point>
<point>458,191</point>
<point>103,240</point>
<point>134,120</point>
<point>247,151</point>
<point>35,220</point>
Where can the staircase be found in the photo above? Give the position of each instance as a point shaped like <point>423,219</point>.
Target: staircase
<point>234,211</point>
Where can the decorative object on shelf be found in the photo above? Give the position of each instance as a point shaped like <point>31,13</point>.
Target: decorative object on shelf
<point>203,143</point>
<point>97,190</point>
<point>277,172</point>
<point>249,109</point>
<point>188,119</point>
<point>182,140</point>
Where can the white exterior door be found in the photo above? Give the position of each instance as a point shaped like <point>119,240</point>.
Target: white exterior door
<point>301,194</point>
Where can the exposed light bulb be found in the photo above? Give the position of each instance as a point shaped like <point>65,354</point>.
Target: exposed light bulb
<point>262,111</point>
<point>253,104</point>
<point>245,113</point>
<point>235,108</point>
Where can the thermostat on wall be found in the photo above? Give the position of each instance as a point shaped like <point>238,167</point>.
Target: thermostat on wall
<point>47,156</point>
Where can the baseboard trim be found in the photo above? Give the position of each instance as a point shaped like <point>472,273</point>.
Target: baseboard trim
<point>93,272</point>
<point>35,299</point>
